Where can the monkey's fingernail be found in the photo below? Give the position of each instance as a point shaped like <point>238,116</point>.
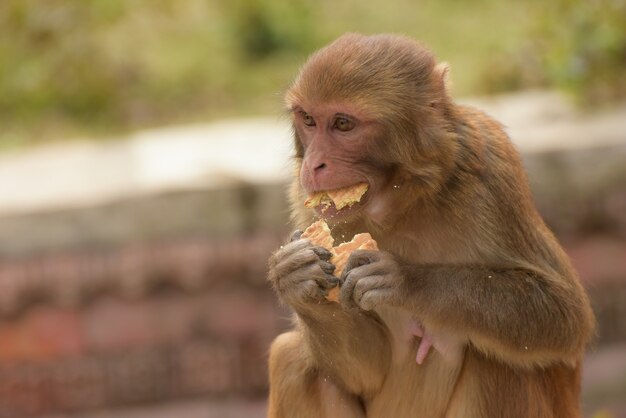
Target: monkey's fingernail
<point>327,267</point>
<point>333,281</point>
<point>322,253</point>
<point>296,235</point>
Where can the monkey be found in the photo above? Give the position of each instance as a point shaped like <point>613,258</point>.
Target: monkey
<point>465,261</point>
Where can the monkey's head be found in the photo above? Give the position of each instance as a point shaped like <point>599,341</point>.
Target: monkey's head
<point>370,109</point>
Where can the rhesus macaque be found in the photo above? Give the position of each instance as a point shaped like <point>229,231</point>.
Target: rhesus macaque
<point>465,260</point>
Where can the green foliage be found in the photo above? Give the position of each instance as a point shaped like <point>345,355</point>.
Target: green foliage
<point>582,47</point>
<point>48,62</point>
<point>74,68</point>
<point>268,27</point>
<point>84,68</point>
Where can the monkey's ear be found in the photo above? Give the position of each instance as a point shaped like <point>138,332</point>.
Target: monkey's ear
<point>442,74</point>
<point>441,79</point>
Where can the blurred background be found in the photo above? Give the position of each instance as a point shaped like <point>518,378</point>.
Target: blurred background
<point>144,154</point>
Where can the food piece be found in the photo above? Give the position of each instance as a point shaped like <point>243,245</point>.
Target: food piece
<point>348,196</point>
<point>319,234</point>
<point>333,294</point>
<point>318,199</point>
<point>342,252</point>
<point>345,196</point>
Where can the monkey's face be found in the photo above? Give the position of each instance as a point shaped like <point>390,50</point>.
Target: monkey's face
<point>335,142</point>
<point>371,112</point>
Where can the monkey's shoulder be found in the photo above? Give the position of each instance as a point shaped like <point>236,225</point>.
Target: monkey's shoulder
<point>486,139</point>
<point>477,123</point>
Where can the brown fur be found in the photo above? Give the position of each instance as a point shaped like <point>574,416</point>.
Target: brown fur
<point>463,251</point>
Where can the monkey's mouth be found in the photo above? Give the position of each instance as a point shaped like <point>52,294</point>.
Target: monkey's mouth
<point>331,212</point>
<point>339,202</point>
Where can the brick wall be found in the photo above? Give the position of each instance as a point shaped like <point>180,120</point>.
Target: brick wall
<point>83,330</point>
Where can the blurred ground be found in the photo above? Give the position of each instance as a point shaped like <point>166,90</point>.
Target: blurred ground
<point>146,257</point>
<point>604,368</point>
<point>604,380</point>
<point>187,409</point>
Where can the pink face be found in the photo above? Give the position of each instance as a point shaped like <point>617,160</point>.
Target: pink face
<point>337,139</point>
<point>334,141</point>
<point>334,138</point>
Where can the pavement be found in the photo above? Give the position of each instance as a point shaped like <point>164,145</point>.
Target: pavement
<point>84,173</point>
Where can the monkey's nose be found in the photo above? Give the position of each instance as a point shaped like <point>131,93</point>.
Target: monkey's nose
<point>320,167</point>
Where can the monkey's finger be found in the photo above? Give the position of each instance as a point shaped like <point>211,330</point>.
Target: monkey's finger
<point>328,268</point>
<point>360,258</point>
<point>322,278</point>
<point>290,248</point>
<point>304,292</point>
<point>371,268</point>
<point>312,279</point>
<point>374,298</point>
<point>316,273</point>
<point>322,253</point>
<point>349,281</point>
<point>295,261</point>
<point>333,280</point>
<point>328,282</point>
<point>311,273</point>
<point>296,235</point>
<point>369,284</point>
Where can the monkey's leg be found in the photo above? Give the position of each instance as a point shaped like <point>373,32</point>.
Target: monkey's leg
<point>298,390</point>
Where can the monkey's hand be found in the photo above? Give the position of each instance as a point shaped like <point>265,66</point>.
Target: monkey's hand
<point>301,273</point>
<point>370,279</point>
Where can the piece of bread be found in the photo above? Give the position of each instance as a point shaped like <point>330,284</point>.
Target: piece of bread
<point>318,199</point>
<point>345,196</point>
<point>319,234</point>
<point>342,252</point>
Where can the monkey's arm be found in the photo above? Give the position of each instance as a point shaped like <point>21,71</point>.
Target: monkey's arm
<point>521,315</point>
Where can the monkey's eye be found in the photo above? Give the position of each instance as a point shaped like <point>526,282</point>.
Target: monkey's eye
<point>307,119</point>
<point>344,124</point>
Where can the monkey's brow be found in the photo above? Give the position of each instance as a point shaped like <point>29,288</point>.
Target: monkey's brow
<point>296,108</point>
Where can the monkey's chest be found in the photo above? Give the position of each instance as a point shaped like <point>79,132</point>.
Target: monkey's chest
<point>398,324</point>
<point>412,390</point>
<point>416,391</point>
